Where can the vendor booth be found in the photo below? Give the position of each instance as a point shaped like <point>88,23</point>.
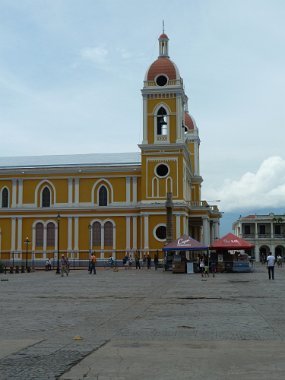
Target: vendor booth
<point>182,254</point>
<point>231,254</point>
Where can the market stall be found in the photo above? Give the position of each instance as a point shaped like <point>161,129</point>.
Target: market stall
<point>231,254</point>
<point>182,254</point>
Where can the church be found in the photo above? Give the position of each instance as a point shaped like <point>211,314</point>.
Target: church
<point>112,203</point>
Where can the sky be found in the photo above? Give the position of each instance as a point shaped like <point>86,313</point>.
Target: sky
<point>71,72</point>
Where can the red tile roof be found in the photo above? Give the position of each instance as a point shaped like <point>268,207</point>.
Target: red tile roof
<point>163,65</point>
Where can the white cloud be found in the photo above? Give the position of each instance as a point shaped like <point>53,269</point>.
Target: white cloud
<point>263,189</point>
<point>96,54</point>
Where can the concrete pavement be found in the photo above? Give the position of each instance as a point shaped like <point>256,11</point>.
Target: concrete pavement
<point>142,325</point>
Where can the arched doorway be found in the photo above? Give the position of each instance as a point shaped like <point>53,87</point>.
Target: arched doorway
<point>263,253</point>
<point>279,251</point>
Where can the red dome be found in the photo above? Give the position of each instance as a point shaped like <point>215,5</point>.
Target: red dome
<point>163,35</point>
<point>163,65</point>
<point>189,122</point>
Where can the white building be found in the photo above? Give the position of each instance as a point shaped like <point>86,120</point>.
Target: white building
<point>266,232</point>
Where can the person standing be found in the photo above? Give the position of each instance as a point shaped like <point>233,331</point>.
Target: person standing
<point>155,261</point>
<point>148,259</point>
<point>63,266</point>
<point>270,265</point>
<point>93,260</point>
<point>202,266</point>
<point>137,260</point>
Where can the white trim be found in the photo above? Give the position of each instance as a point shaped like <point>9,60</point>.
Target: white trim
<point>135,232</point>
<point>70,191</point>
<point>155,187</point>
<point>145,124</point>
<point>146,241</point>
<point>169,180</point>
<point>163,138</point>
<point>13,234</point>
<point>69,234</point>
<point>154,232</point>
<point>14,192</point>
<point>19,233</point>
<point>20,192</point>
<point>128,232</point>
<point>76,190</point>
<point>51,188</point>
<point>135,189</point>
<point>160,160</point>
<point>128,189</point>
<point>1,191</point>
<point>76,231</point>
<point>110,194</point>
<point>0,240</point>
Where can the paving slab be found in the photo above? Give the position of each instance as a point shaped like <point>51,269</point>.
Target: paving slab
<point>142,325</point>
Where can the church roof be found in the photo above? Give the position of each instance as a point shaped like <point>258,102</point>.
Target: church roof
<point>163,65</point>
<point>91,159</point>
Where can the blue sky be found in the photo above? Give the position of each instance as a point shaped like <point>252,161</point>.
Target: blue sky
<point>71,73</point>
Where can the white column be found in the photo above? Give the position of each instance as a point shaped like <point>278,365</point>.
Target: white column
<point>135,231</point>
<point>178,231</point>
<point>206,231</point>
<point>20,192</point>
<point>271,230</point>
<point>145,138</point>
<point>45,241</point>
<point>178,120</point>
<point>70,191</point>
<point>13,234</point>
<point>76,184</point>
<point>135,189</point>
<point>255,232</point>
<point>0,240</point>
<point>14,192</point>
<point>128,189</point>
<point>76,231</point>
<point>114,242</point>
<point>146,242</point>
<point>19,230</point>
<point>34,238</point>
<point>69,234</point>
<point>128,233</point>
<point>256,253</point>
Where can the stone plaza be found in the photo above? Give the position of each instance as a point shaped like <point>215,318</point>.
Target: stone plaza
<point>142,324</point>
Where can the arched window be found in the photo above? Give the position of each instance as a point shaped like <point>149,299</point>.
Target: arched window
<point>96,234</point>
<point>50,235</point>
<point>108,234</point>
<point>46,197</point>
<point>39,235</point>
<point>161,124</point>
<point>5,198</point>
<point>103,196</point>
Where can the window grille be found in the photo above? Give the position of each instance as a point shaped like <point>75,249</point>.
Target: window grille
<point>39,235</point>
<point>103,196</point>
<point>46,197</point>
<point>108,234</point>
<point>50,235</point>
<point>5,198</point>
<point>96,234</point>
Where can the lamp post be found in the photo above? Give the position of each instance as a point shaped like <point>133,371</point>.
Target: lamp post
<point>27,241</point>
<point>57,267</point>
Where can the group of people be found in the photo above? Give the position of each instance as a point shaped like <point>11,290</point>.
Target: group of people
<point>204,267</point>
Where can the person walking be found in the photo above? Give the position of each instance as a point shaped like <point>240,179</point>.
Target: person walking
<point>270,265</point>
<point>93,260</point>
<point>202,267</point>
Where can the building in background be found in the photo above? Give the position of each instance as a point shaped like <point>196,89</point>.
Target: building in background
<point>112,203</point>
<point>266,232</point>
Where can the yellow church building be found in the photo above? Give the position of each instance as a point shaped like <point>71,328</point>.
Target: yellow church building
<point>112,203</point>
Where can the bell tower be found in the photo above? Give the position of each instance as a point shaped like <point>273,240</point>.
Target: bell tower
<point>164,151</point>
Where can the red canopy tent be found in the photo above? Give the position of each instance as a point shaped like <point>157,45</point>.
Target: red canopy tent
<point>231,242</point>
